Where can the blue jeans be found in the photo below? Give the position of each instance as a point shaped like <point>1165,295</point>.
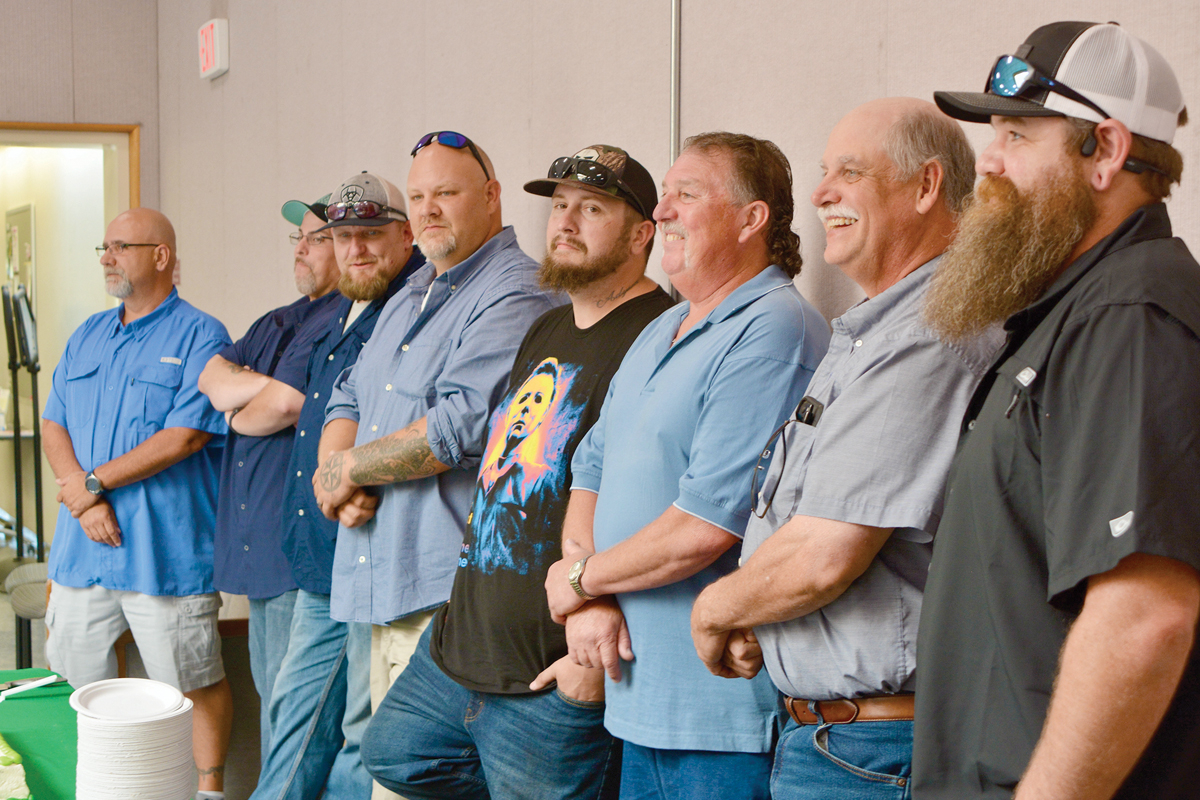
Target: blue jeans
<point>319,709</point>
<point>431,738</point>
<point>648,772</point>
<point>855,761</point>
<point>270,626</point>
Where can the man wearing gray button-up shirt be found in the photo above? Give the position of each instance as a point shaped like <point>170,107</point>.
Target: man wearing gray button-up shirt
<point>410,418</point>
<point>834,559</point>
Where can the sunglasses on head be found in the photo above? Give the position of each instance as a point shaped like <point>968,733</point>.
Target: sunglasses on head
<point>593,173</point>
<point>455,140</point>
<point>1013,77</point>
<point>362,209</point>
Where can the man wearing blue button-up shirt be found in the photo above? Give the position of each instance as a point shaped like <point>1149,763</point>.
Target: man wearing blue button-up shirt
<point>836,555</point>
<point>125,431</point>
<point>320,702</point>
<point>662,480</point>
<point>410,418</point>
<point>248,556</point>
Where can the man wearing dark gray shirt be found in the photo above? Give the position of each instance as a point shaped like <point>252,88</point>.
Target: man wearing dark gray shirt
<point>835,557</point>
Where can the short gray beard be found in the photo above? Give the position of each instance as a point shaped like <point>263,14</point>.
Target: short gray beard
<point>306,284</point>
<point>121,289</point>
<point>440,252</point>
<point>1008,250</point>
<point>556,275</point>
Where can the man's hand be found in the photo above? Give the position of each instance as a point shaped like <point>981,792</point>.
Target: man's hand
<point>99,524</point>
<point>358,509</point>
<point>729,654</point>
<point>332,485</point>
<point>74,495</point>
<point>576,682</point>
<point>598,637</point>
<point>562,597</point>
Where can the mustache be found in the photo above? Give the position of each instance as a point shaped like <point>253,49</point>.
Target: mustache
<point>571,240</point>
<point>836,210</point>
<point>673,228</point>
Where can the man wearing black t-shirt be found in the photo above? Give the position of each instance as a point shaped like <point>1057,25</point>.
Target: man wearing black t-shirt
<point>472,715</point>
<point>1055,655</point>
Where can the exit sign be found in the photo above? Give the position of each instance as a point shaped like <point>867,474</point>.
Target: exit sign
<point>214,48</point>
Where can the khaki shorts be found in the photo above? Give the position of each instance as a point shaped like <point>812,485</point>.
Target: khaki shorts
<point>176,637</point>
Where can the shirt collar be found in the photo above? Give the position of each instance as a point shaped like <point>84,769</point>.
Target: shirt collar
<point>462,271</point>
<point>860,318</point>
<point>143,325</point>
<point>1145,223</point>
<point>769,280</point>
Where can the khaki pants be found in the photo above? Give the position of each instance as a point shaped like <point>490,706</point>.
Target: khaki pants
<point>392,646</point>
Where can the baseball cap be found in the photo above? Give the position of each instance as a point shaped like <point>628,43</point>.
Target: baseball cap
<point>294,210</point>
<point>603,169</point>
<point>365,199</point>
<point>1108,66</point>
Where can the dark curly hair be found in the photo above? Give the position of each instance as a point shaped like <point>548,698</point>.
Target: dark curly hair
<point>760,172</point>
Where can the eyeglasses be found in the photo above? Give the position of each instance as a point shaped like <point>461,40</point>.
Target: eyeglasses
<point>362,209</point>
<point>455,140</point>
<point>313,239</point>
<point>1013,77</point>
<point>593,173</point>
<point>116,248</point>
<point>760,469</point>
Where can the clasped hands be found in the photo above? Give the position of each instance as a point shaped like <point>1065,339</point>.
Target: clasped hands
<point>338,496</point>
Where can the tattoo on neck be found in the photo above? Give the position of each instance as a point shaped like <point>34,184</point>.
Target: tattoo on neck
<point>392,459</point>
<point>616,295</point>
<point>331,472</point>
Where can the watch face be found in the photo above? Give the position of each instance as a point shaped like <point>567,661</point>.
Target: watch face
<point>575,571</point>
<point>92,484</point>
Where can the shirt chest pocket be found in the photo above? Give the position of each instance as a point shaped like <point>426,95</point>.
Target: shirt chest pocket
<point>83,388</point>
<point>418,368</point>
<point>153,391</point>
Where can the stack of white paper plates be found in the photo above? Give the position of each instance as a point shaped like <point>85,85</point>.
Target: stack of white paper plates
<point>135,741</point>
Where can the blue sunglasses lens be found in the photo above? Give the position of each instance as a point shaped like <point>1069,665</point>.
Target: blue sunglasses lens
<point>1010,76</point>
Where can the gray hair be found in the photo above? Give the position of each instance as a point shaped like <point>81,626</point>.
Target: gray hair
<point>923,135</point>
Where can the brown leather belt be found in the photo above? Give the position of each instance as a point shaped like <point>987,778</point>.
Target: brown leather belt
<point>885,708</point>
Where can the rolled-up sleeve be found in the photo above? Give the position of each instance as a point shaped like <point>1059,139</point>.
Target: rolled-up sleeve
<point>476,374</point>
<point>190,408</point>
<point>343,400</point>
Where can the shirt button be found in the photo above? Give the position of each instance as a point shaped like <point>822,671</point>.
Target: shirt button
<point>858,342</point>
<point>239,463</point>
<point>453,287</point>
<point>246,548</point>
<point>362,559</point>
<point>331,356</point>
<point>316,395</point>
<point>971,425</point>
<point>301,433</point>
<point>299,474</point>
<point>243,506</point>
<point>301,512</point>
<point>374,428</point>
<point>404,347</point>
<point>388,387</point>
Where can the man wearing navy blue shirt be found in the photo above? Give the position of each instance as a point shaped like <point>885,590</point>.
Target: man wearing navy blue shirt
<point>320,703</point>
<point>248,556</point>
<point>125,431</point>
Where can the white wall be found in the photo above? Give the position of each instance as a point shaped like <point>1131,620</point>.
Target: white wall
<point>317,91</point>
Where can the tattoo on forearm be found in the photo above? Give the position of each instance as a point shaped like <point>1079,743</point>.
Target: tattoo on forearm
<point>331,473</point>
<point>236,368</point>
<point>217,770</point>
<point>390,460</point>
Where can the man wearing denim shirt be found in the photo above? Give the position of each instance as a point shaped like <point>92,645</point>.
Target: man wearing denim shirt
<point>835,559</point>
<point>663,479</point>
<point>408,422</point>
<point>321,700</point>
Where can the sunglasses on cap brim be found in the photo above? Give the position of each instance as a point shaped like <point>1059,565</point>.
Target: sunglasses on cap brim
<point>361,209</point>
<point>1012,77</point>
<point>455,140</point>
<point>595,174</point>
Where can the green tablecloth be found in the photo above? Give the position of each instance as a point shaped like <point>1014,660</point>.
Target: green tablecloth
<point>40,725</point>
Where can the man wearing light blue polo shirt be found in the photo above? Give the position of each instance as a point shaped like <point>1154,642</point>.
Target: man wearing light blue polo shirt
<point>661,491</point>
<point>126,432</point>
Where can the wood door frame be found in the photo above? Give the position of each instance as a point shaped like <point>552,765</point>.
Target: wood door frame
<point>135,145</point>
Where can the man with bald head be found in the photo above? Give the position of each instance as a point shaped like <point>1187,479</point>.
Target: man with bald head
<point>125,431</point>
<point>834,558</point>
<point>407,424</point>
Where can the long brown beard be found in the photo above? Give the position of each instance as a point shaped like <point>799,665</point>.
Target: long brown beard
<point>1009,248</point>
<point>570,278</point>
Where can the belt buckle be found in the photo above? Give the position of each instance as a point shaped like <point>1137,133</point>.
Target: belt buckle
<point>844,702</point>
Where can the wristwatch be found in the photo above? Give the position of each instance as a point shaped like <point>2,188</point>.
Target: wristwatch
<point>93,484</point>
<point>575,574</point>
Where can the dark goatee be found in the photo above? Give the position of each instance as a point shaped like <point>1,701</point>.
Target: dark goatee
<point>555,275</point>
<point>1008,250</point>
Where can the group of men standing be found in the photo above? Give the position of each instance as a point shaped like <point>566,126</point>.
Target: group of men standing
<point>502,545</point>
